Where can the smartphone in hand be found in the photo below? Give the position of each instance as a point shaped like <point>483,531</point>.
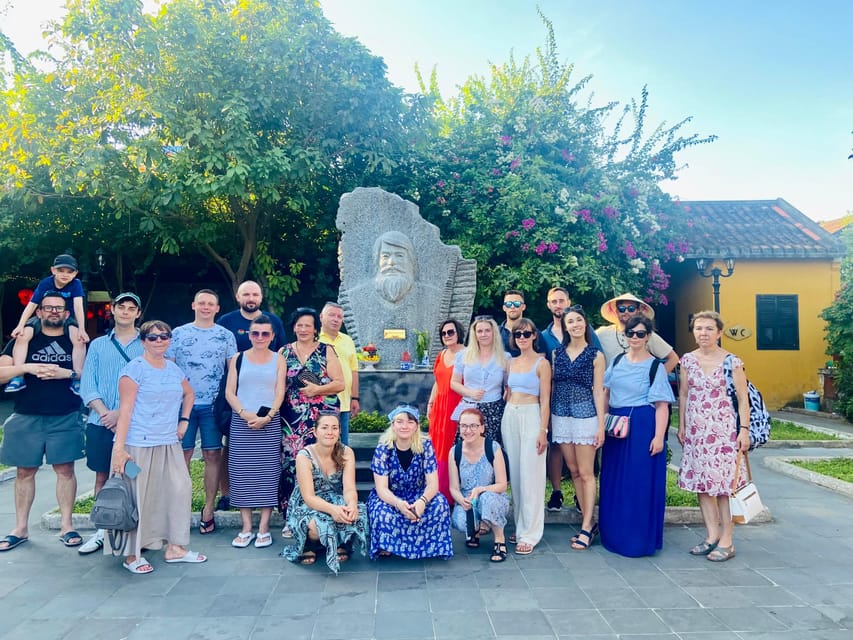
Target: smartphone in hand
<point>263,412</point>
<point>131,469</point>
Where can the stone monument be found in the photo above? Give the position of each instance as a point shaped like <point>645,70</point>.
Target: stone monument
<point>397,277</point>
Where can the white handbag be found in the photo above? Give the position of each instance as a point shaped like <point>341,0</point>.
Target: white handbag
<point>745,503</point>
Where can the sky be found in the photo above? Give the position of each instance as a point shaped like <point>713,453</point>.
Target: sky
<point>774,81</point>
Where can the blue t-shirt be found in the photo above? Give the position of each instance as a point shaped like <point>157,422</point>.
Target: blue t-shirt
<point>629,383</point>
<point>239,326</point>
<point>201,354</point>
<point>154,421</point>
<point>489,378</point>
<point>73,289</point>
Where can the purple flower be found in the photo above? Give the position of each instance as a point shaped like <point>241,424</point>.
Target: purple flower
<point>440,200</point>
<point>602,242</point>
<point>528,223</point>
<point>670,246</point>
<point>629,250</point>
<point>515,163</point>
<point>541,248</point>
<point>455,176</point>
<point>633,192</point>
<point>568,157</point>
<point>506,140</point>
<point>514,233</point>
<point>440,184</point>
<point>552,247</point>
<point>585,215</point>
<point>663,300</point>
<point>496,172</point>
<point>610,212</point>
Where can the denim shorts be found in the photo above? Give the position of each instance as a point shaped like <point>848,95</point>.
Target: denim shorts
<point>202,419</point>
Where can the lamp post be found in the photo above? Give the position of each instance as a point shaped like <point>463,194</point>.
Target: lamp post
<point>716,273</point>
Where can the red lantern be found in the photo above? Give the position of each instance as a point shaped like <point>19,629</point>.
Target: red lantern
<point>24,296</point>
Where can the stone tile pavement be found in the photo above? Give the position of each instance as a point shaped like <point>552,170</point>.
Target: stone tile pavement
<point>791,580</point>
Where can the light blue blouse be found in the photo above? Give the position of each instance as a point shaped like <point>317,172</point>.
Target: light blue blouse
<point>489,378</point>
<point>629,384</point>
<point>154,420</point>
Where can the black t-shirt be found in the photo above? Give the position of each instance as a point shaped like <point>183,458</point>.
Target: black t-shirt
<point>48,397</point>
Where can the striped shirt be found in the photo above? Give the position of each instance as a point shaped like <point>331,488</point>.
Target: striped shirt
<point>104,363</point>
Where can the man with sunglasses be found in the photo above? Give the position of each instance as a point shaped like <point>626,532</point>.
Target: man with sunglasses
<point>613,340</point>
<point>99,389</point>
<point>331,320</point>
<point>202,350</point>
<point>46,425</point>
<point>514,307</point>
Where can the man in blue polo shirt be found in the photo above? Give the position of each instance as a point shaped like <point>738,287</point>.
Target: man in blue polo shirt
<point>99,390</point>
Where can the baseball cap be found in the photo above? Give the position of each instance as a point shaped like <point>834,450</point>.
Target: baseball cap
<point>127,295</point>
<point>65,260</point>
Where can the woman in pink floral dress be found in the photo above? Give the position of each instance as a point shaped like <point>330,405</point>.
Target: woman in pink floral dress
<point>710,432</point>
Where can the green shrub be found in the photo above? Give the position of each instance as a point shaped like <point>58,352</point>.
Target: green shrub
<point>375,422</point>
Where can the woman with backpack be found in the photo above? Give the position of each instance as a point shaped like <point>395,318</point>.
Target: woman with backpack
<point>478,485</point>
<point>711,432</point>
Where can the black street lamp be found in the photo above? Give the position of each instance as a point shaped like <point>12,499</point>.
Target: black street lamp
<point>716,273</point>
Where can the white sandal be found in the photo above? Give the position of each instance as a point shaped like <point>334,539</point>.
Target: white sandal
<point>263,540</point>
<point>243,540</point>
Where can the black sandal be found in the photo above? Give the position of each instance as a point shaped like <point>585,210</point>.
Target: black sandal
<point>473,542</point>
<point>580,545</point>
<point>499,552</point>
<point>206,526</point>
<point>344,552</point>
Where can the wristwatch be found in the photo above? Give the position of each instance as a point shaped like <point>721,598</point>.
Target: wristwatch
<point>73,375</point>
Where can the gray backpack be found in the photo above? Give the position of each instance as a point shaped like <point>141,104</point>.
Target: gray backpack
<point>115,510</point>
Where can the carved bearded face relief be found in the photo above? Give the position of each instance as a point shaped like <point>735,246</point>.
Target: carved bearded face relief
<point>395,275</point>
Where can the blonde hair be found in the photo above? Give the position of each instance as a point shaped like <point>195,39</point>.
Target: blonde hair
<point>472,351</point>
<point>707,315</point>
<point>389,438</point>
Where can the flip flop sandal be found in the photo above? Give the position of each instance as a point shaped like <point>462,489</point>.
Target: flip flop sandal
<point>263,540</point>
<point>307,557</point>
<point>498,552</point>
<point>137,566</point>
<point>703,549</point>
<point>66,539</point>
<point>193,557</point>
<point>243,540</point>
<point>12,541</point>
<point>206,526</point>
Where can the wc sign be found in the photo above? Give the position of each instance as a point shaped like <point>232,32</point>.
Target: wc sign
<point>737,332</point>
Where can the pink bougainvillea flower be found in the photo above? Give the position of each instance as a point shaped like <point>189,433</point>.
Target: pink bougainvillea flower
<point>629,250</point>
<point>541,248</point>
<point>552,247</point>
<point>567,156</point>
<point>440,184</point>
<point>584,214</point>
<point>525,247</point>
<point>528,223</point>
<point>515,163</point>
<point>602,242</point>
<point>506,140</point>
<point>496,172</point>
<point>610,212</point>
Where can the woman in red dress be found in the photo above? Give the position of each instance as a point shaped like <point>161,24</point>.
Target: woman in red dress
<point>443,400</point>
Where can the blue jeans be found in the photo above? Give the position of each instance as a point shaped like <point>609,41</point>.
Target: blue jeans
<point>345,427</point>
<point>202,419</point>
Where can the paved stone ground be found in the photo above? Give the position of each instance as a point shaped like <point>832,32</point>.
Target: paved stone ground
<point>792,579</point>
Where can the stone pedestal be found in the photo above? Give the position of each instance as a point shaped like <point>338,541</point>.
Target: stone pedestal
<point>383,390</point>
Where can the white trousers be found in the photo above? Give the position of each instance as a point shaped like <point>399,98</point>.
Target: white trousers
<point>520,430</point>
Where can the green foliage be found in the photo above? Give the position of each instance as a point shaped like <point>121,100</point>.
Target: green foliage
<point>375,422</point>
<point>784,430</point>
<point>839,332</point>
<point>840,468</point>
<point>541,188</point>
<point>675,495</point>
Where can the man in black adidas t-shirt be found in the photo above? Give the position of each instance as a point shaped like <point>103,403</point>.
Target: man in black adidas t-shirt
<point>46,424</point>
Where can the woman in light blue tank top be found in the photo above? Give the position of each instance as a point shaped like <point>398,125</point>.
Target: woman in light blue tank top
<point>525,434</point>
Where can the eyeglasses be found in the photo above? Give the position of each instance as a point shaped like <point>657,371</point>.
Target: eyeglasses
<point>522,334</point>
<point>630,308</point>
<point>469,427</point>
<point>630,333</point>
<point>260,334</point>
<point>509,304</point>
<point>448,333</point>
<point>154,337</point>
<point>50,308</point>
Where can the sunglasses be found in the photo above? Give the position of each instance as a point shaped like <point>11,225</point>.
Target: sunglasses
<point>630,308</point>
<point>630,333</point>
<point>483,318</point>
<point>154,337</point>
<point>509,304</point>
<point>576,307</point>
<point>470,427</point>
<point>53,308</point>
<point>448,333</point>
<point>522,334</point>
<point>260,334</point>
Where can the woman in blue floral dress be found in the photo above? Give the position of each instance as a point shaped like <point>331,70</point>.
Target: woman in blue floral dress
<point>324,512</point>
<point>408,516</point>
<point>314,378</point>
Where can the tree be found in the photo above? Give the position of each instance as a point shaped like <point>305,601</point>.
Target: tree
<point>839,338</point>
<point>228,127</point>
<point>530,182</point>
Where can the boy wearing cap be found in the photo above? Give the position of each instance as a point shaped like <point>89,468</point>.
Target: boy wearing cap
<point>107,356</point>
<point>65,284</point>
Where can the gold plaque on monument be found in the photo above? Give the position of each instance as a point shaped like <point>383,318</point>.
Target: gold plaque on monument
<point>394,334</point>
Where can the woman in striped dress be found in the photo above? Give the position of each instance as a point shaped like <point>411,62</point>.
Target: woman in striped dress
<point>255,391</point>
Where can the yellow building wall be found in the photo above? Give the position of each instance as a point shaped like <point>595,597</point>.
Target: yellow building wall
<point>781,376</point>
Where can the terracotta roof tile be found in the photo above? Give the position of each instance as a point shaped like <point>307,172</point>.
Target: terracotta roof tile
<point>755,229</point>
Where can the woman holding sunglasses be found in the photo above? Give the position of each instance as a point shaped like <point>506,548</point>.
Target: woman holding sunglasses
<point>255,391</point>
<point>443,400</point>
<point>525,434</point>
<point>633,468</point>
<point>478,375</point>
<point>155,399</point>
<point>578,408</point>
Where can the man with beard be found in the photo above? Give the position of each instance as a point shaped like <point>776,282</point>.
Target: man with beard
<point>395,275</point>
<point>46,425</point>
<point>249,299</point>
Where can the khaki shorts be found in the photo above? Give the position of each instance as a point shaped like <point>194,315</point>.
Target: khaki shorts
<point>30,440</point>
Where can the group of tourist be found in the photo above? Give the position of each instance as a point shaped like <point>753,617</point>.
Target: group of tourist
<point>503,403</point>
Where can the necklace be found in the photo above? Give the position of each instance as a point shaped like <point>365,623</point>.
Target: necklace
<point>303,359</point>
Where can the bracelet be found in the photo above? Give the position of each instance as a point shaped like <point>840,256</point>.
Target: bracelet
<point>423,497</point>
<point>240,412</point>
<point>183,419</point>
<point>742,427</point>
<point>353,397</point>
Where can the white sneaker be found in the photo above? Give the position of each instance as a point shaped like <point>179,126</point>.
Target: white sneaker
<point>93,544</point>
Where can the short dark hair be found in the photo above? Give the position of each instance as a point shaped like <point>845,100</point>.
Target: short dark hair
<point>305,311</point>
<point>261,319</point>
<point>460,332</point>
<point>207,291</point>
<point>646,321</point>
<point>514,292</point>
<point>521,325</point>
<point>54,294</point>
<point>147,327</point>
